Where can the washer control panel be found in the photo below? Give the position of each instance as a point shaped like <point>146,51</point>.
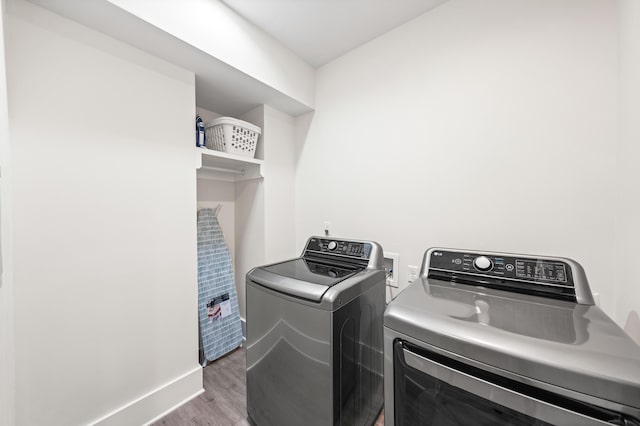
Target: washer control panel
<point>479,266</point>
<point>482,263</point>
<point>339,247</point>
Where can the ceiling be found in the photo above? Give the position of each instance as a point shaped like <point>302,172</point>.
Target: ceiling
<point>319,31</point>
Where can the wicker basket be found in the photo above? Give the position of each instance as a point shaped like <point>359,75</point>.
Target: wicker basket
<point>233,136</point>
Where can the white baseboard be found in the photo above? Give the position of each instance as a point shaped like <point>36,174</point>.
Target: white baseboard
<point>175,407</point>
<point>157,403</point>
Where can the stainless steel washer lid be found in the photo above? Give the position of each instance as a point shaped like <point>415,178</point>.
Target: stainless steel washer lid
<point>576,347</point>
<point>312,272</point>
<point>301,278</point>
<point>324,263</point>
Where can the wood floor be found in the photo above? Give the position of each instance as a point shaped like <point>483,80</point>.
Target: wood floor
<point>223,402</point>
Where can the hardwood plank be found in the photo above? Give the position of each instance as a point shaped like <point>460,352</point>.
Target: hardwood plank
<point>223,402</point>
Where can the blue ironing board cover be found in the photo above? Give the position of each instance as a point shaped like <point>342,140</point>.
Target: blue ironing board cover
<point>215,278</point>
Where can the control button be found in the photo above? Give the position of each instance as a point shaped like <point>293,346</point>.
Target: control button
<point>332,245</point>
<point>482,263</point>
<point>509,267</point>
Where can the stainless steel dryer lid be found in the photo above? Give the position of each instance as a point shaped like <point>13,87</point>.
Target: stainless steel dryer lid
<point>573,346</point>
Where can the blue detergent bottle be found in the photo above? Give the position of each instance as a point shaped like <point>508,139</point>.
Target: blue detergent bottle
<point>201,138</point>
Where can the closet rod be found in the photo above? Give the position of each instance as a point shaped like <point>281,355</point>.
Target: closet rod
<point>220,169</point>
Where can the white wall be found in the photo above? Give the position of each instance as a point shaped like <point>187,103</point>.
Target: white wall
<point>211,28</point>
<point>7,377</point>
<point>104,204</point>
<point>486,125</point>
<point>207,115</point>
<point>279,174</point>
<point>628,231</point>
<point>249,234</point>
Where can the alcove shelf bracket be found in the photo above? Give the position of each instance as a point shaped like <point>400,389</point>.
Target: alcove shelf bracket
<point>217,165</point>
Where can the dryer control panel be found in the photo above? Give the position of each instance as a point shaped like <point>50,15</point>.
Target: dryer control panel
<point>525,268</point>
<point>524,274</point>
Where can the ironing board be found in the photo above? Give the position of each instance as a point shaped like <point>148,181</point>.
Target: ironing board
<point>220,327</point>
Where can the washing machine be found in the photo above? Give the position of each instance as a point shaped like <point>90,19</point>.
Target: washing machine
<point>485,338</point>
<point>314,336</point>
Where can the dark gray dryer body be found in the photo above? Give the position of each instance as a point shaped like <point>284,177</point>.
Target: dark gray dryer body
<point>314,336</point>
<point>496,338</point>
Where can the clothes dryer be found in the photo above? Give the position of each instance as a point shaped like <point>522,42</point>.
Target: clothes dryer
<point>484,338</point>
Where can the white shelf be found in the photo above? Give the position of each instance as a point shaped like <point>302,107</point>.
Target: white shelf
<point>227,167</point>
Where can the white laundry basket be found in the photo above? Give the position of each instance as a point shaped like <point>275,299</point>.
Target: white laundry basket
<point>233,136</point>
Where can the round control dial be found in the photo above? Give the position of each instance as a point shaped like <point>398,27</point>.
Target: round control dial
<point>332,245</point>
<point>482,263</point>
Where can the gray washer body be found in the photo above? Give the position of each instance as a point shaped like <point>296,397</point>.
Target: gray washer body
<point>314,356</point>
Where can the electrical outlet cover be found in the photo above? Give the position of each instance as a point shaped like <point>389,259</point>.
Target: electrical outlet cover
<point>413,273</point>
<point>392,266</point>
